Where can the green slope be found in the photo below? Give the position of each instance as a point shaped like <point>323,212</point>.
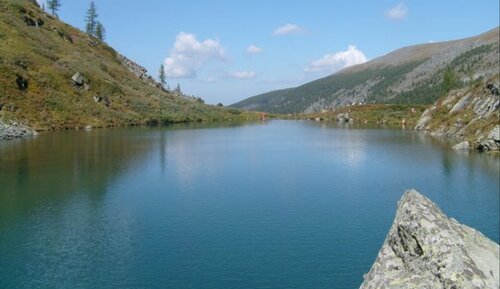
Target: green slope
<point>44,53</point>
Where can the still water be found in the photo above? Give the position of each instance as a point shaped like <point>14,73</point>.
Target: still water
<point>281,204</point>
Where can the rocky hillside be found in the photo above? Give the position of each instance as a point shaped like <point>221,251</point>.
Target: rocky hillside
<point>426,249</point>
<point>469,115</point>
<point>413,75</point>
<point>54,76</point>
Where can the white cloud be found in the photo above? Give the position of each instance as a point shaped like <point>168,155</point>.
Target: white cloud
<point>243,74</point>
<point>334,62</point>
<point>397,12</point>
<point>252,49</point>
<point>189,55</point>
<point>288,29</point>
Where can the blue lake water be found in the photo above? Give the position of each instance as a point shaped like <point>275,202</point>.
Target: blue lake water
<point>280,204</point>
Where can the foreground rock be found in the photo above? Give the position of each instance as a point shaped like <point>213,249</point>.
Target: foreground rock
<point>426,249</point>
<point>14,130</point>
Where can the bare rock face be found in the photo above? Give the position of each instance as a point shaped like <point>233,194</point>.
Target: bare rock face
<point>426,249</point>
<point>138,71</point>
<point>469,114</point>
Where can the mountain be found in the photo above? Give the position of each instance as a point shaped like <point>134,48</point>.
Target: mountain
<point>54,76</point>
<point>417,74</point>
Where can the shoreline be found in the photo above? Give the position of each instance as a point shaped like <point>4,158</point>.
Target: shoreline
<point>15,130</point>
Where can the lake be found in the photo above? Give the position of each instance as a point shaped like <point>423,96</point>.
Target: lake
<point>279,204</point>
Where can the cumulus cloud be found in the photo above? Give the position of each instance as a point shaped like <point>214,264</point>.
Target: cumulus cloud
<point>288,29</point>
<point>243,74</point>
<point>253,49</point>
<point>189,55</point>
<point>334,62</point>
<point>397,12</point>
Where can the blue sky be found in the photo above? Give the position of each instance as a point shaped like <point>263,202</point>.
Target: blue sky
<point>227,50</point>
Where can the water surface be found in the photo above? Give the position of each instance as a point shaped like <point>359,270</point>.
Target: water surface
<point>281,204</point>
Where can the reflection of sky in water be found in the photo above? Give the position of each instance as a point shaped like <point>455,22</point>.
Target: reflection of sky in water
<point>213,208</point>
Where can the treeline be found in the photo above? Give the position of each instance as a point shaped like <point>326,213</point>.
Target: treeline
<point>93,27</point>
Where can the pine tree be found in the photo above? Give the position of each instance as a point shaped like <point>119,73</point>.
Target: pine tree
<point>178,89</point>
<point>450,80</point>
<point>100,32</point>
<point>53,6</point>
<point>162,76</point>
<point>91,19</point>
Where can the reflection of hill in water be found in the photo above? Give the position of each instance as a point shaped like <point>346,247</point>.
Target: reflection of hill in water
<point>60,165</point>
<point>396,139</point>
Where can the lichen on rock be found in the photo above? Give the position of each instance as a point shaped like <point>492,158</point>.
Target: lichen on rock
<point>426,249</point>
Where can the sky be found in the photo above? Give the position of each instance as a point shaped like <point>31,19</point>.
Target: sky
<point>227,50</point>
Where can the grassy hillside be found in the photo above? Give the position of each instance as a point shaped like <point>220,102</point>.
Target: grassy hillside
<point>38,56</point>
<point>413,75</point>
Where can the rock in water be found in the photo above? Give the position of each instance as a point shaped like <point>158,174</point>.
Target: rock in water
<point>11,130</point>
<point>463,146</point>
<point>426,249</point>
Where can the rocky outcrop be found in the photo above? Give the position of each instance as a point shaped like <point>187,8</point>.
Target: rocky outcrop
<point>426,249</point>
<point>463,146</point>
<point>492,142</point>
<point>12,130</point>
<point>468,115</point>
<point>343,117</point>
<point>139,71</point>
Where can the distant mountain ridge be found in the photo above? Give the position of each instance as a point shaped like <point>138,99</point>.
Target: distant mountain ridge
<point>414,74</point>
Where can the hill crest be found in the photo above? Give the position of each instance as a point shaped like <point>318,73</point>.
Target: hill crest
<point>412,74</point>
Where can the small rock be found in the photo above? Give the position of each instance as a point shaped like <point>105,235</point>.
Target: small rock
<point>343,117</point>
<point>22,82</point>
<point>463,146</point>
<point>492,142</point>
<point>461,104</point>
<point>33,22</point>
<point>495,133</point>
<point>78,79</point>
<point>104,99</point>
<point>493,89</point>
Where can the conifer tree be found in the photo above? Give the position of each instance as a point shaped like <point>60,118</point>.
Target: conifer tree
<point>91,19</point>
<point>53,6</point>
<point>100,32</point>
<point>162,76</point>
<point>178,89</point>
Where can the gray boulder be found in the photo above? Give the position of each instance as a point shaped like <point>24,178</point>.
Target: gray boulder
<point>426,249</point>
<point>22,82</point>
<point>425,119</point>
<point>461,104</point>
<point>463,146</point>
<point>492,142</point>
<point>78,79</point>
<point>104,99</point>
<point>343,117</point>
<point>12,130</point>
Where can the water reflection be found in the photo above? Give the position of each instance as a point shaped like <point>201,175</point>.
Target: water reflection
<point>55,166</point>
<point>190,204</point>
